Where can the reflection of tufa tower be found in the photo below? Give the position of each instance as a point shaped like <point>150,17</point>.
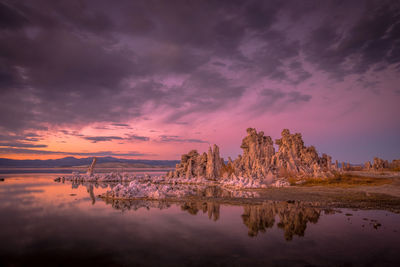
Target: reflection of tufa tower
<point>91,167</point>
<point>212,208</point>
<point>293,217</point>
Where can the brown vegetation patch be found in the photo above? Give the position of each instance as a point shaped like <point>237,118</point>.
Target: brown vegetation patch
<point>342,180</point>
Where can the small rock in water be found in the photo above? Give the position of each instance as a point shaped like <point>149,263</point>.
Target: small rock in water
<point>377,225</point>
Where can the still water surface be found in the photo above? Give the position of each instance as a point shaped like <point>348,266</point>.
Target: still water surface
<point>44,223</point>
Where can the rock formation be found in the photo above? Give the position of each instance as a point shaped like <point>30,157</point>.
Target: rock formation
<point>259,160</point>
<point>193,164</point>
<point>367,166</point>
<point>380,164</point>
<point>295,159</point>
<point>395,164</point>
<point>91,167</point>
<point>258,151</point>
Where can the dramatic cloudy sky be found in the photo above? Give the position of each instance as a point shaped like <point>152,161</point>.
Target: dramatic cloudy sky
<point>153,79</point>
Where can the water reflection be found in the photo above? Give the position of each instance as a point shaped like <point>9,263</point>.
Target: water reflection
<point>209,207</point>
<point>54,224</point>
<point>91,186</point>
<point>293,216</point>
<point>124,205</point>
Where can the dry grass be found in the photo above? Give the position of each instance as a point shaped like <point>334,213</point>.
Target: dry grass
<point>344,180</point>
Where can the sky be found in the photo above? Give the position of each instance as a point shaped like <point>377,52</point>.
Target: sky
<point>155,79</point>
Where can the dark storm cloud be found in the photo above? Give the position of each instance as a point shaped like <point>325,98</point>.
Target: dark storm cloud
<point>10,18</point>
<point>220,64</point>
<point>373,39</point>
<point>270,58</point>
<point>276,99</point>
<point>294,97</point>
<point>81,62</point>
<point>21,140</point>
<point>130,137</point>
<point>137,137</point>
<point>27,145</point>
<point>95,139</point>
<point>120,124</point>
<point>71,133</point>
<point>50,152</point>
<point>177,139</point>
<point>301,75</point>
<point>69,62</point>
<point>206,91</point>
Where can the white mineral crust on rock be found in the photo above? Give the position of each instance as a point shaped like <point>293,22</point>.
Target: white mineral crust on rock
<point>100,177</point>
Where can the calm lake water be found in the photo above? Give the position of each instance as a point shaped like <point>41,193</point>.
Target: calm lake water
<point>44,223</point>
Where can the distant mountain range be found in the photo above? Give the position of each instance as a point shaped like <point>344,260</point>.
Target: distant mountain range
<point>72,161</point>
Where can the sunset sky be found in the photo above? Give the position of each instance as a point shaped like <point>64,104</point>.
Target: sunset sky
<point>154,79</point>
